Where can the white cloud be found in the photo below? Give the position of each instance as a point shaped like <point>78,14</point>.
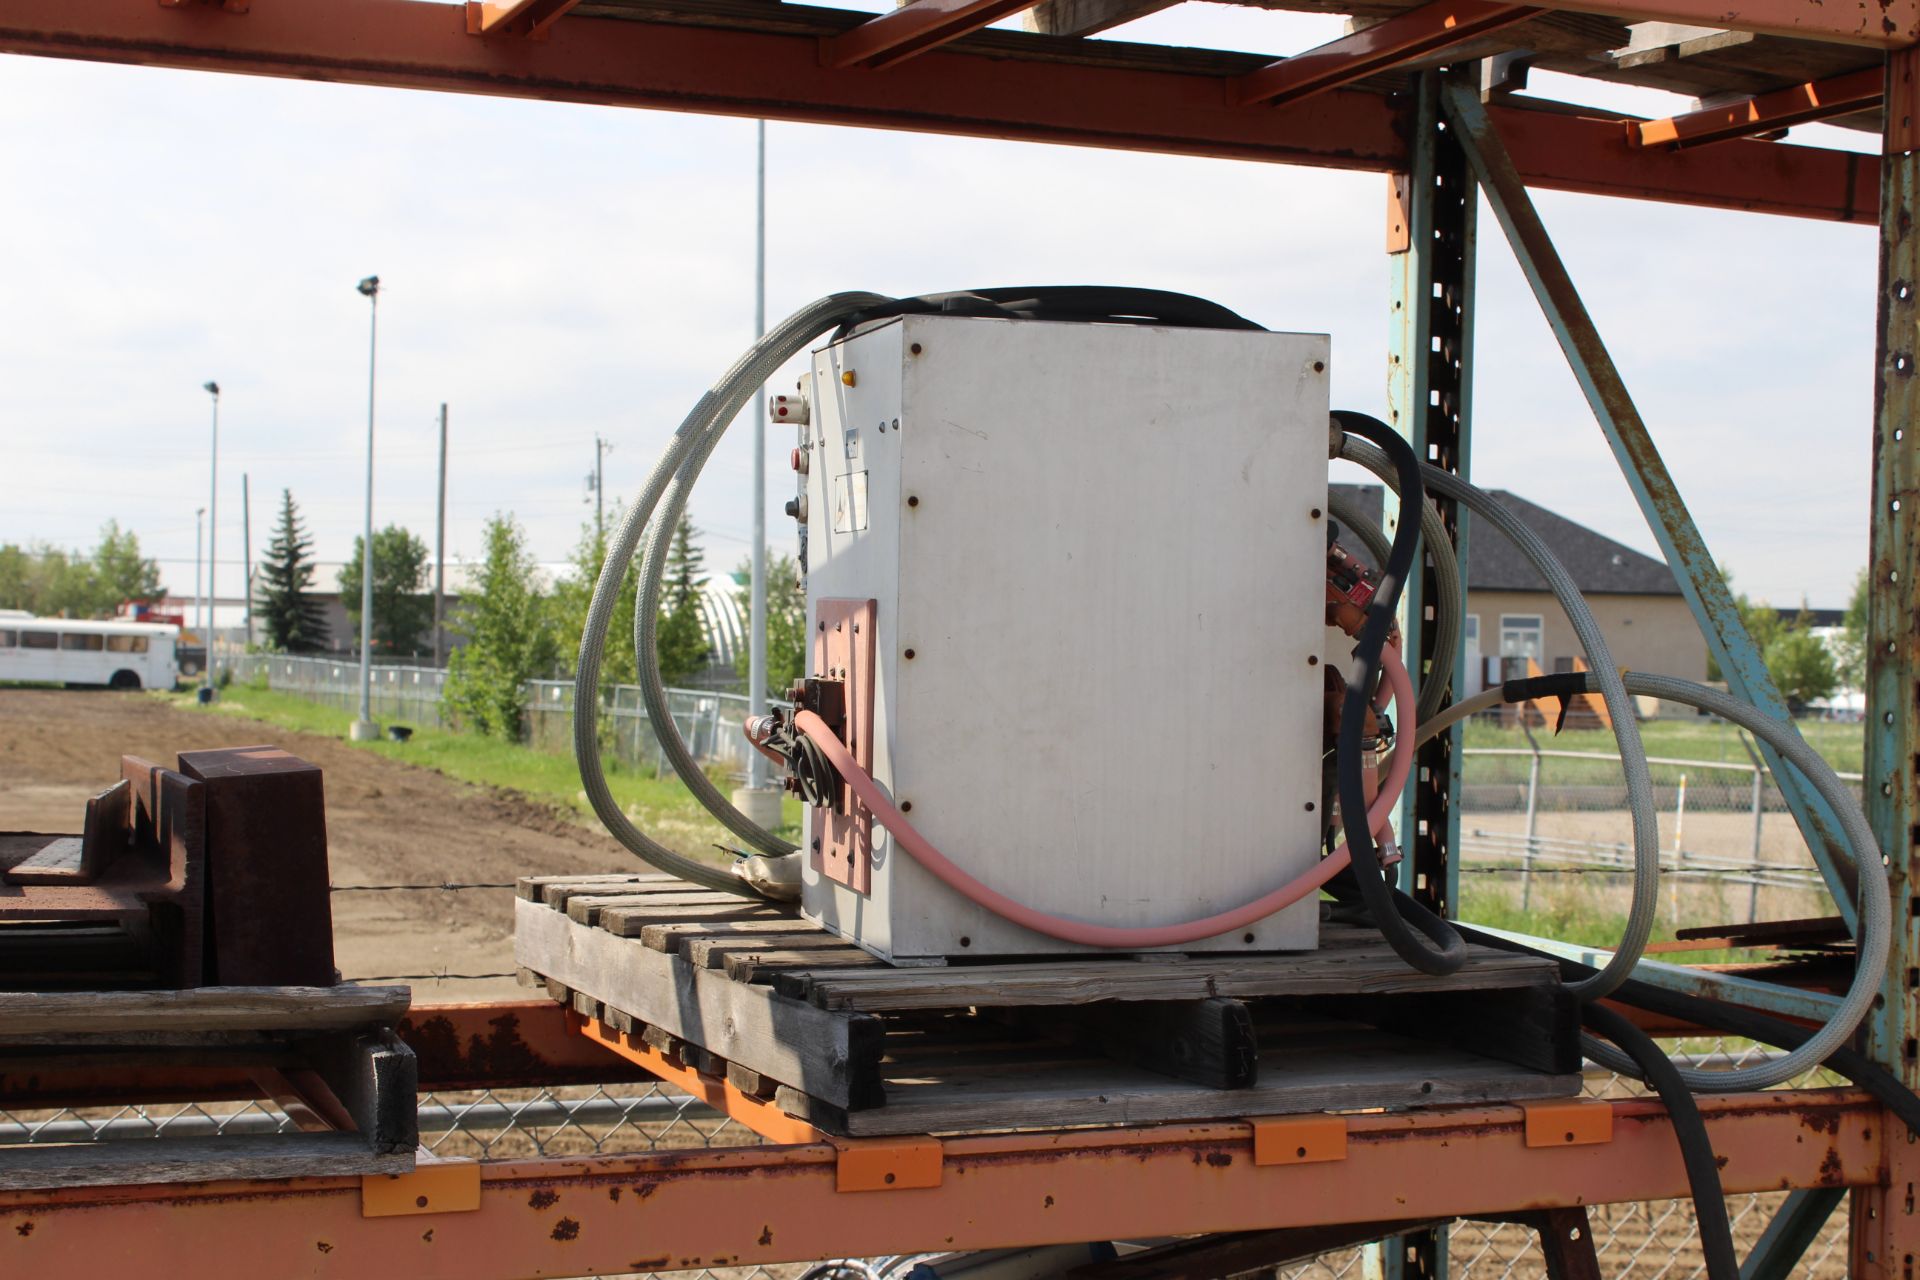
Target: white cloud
<point>553,271</point>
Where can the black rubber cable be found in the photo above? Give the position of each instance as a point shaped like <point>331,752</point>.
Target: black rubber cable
<point>1441,950</point>
<point>1732,1020</point>
<point>1083,304</point>
<point>1696,1146</point>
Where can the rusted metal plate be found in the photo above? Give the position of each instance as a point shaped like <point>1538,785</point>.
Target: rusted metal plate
<point>843,651</point>
<point>507,1044</point>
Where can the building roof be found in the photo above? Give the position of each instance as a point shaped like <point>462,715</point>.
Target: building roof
<point>1599,565</point>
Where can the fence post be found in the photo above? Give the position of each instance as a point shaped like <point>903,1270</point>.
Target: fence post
<point>1533,810</point>
<point>1753,885</point>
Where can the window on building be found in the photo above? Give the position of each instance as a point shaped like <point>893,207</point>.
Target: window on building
<point>82,641</point>
<point>1473,631</point>
<point>39,640</point>
<point>1522,637</point>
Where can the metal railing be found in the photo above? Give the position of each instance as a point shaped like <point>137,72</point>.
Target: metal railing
<point>708,720</point>
<point>1530,812</point>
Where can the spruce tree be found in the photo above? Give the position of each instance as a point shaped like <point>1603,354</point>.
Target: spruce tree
<point>291,619</point>
<point>681,642</point>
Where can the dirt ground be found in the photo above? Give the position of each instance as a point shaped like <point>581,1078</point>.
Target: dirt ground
<point>387,823</point>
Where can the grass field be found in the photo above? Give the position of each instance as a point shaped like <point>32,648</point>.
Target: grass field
<point>651,802</point>
<point>664,805</point>
<point>1842,745</point>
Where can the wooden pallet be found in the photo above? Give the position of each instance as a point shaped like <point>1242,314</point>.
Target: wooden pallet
<point>856,1047</point>
<point>327,1056</point>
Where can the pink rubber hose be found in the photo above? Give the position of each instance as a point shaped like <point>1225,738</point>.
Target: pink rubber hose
<point>1100,935</point>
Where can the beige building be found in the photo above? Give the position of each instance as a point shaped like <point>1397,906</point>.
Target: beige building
<point>1511,616</point>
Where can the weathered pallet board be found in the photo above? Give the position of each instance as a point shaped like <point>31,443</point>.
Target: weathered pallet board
<point>1393,1073</point>
<point>1349,970</point>
<point>149,1160</point>
<point>98,1014</point>
<point>750,993</point>
<point>828,1054</point>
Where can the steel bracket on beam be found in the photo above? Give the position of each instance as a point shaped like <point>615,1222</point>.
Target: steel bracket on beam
<point>1568,1124</point>
<point>888,1164</point>
<point>434,1186</point>
<point>1298,1139</point>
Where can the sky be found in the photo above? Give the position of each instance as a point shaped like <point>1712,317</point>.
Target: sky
<point>553,272</point>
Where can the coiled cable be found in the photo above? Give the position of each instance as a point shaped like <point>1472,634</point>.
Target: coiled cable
<point>1620,709</point>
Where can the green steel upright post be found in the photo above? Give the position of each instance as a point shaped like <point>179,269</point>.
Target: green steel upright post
<point>1429,377</point>
<point>1885,1234</point>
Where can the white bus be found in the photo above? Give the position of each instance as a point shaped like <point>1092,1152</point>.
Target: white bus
<point>117,655</point>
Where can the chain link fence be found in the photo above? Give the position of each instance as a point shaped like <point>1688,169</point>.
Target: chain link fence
<point>709,721</point>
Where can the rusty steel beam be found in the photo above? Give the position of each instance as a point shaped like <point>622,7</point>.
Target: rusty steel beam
<point>1352,58</point>
<point>1766,113</point>
<point>530,19</point>
<point>756,73</point>
<point>507,1044</point>
<point>1874,24</point>
<point>744,1206</point>
<point>914,28</point>
<point>758,1114</point>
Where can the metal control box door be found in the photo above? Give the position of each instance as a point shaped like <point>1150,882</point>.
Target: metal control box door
<point>1092,561</point>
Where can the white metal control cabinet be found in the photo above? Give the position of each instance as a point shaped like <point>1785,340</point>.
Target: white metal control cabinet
<point>1087,564</point>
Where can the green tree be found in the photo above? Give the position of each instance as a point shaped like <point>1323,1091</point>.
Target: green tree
<point>681,640</point>
<point>574,594</point>
<point>120,572</point>
<point>786,623</point>
<point>510,637</point>
<point>1850,656</point>
<point>52,582</point>
<point>402,611</point>
<point>291,619</point>
<point>1801,667</point>
<point>16,577</point>
<point>1762,622</point>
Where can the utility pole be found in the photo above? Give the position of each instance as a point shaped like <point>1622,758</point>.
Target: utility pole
<point>246,539</point>
<point>364,729</point>
<point>199,546</point>
<point>600,448</point>
<point>440,544</point>
<point>213,537</point>
<point>759,801</point>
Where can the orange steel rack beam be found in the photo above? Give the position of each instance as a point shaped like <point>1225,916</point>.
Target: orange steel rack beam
<point>1097,100</point>
<point>566,1217</point>
<point>1802,104</point>
<point>1401,38</point>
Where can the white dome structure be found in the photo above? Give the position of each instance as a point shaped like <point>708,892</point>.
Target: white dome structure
<point>724,622</point>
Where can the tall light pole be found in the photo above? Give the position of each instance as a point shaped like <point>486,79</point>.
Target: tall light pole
<point>759,801</point>
<point>199,544</point>
<point>213,537</point>
<point>364,729</point>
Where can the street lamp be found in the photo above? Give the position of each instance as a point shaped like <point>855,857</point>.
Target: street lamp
<point>213,534</point>
<point>199,542</point>
<point>364,729</point>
